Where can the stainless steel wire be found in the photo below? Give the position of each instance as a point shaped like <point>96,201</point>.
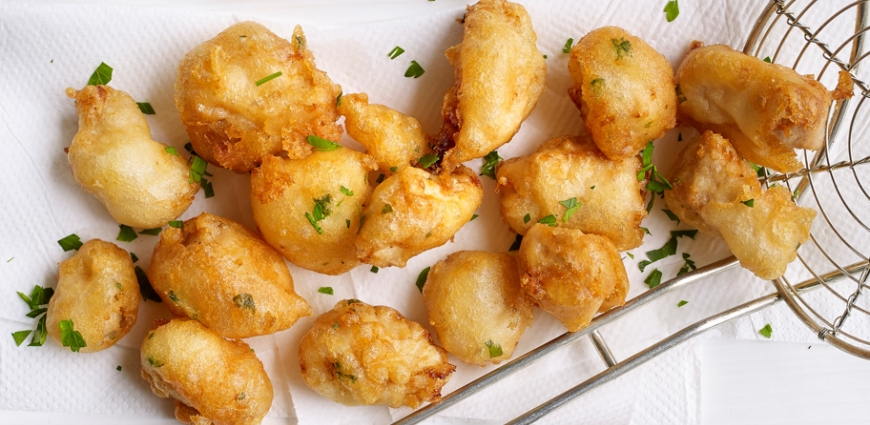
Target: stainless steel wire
<point>826,276</point>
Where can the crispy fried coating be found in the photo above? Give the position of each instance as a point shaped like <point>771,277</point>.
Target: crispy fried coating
<point>357,354</point>
<point>114,158</point>
<point>97,290</point>
<point>766,110</point>
<point>232,121</point>
<point>499,75</point>
<point>719,193</point>
<point>309,209</point>
<point>413,211</point>
<point>476,305</point>
<point>624,89</point>
<point>218,272</point>
<point>571,275</point>
<point>609,194</point>
<point>213,380</point>
<point>392,138</point>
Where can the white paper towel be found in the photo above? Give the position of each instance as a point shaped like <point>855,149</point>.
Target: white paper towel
<point>47,47</point>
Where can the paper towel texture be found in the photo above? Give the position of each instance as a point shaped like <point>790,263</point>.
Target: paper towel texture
<point>48,47</point>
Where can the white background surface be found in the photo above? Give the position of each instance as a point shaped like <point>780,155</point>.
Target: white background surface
<point>724,380</point>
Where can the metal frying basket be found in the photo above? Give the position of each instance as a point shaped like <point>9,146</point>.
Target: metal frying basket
<point>824,286</point>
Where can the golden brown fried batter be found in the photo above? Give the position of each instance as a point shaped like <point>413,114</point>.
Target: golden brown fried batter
<point>571,275</point>
<point>233,122</point>
<point>113,157</point>
<point>413,211</point>
<point>213,380</point>
<point>476,305</point>
<point>499,76</point>
<point>218,272</point>
<point>624,89</point>
<point>97,290</point>
<point>309,209</point>
<point>392,138</point>
<point>719,193</point>
<point>608,192</point>
<point>765,110</point>
<point>357,354</point>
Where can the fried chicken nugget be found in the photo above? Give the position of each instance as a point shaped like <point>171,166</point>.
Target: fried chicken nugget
<point>476,305</point>
<point>624,89</point>
<point>765,110</point>
<point>719,193</point>
<point>234,116</point>
<point>310,209</point>
<point>357,354</point>
<point>392,138</point>
<point>97,290</point>
<point>499,76</point>
<point>571,275</point>
<point>413,211</point>
<point>114,158</point>
<point>213,380</point>
<point>607,192</point>
<point>218,272</point>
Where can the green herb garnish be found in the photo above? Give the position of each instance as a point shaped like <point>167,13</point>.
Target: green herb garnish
<point>153,232</point>
<point>767,59</point>
<point>178,224</point>
<point>146,108</point>
<point>473,216</point>
<point>101,76</point>
<point>549,220</point>
<point>766,331</point>
<point>567,47</point>
<point>325,290</point>
<point>654,279</point>
<point>145,287</point>
<point>268,78</point>
<point>395,52</point>
<point>197,169</point>
<point>313,222</point>
<point>688,264</point>
<point>415,70</point>
<point>572,206</point>
<point>680,96</point>
<point>672,10</point>
<point>244,301</point>
<point>427,160</point>
<point>171,150</point>
<point>682,303</point>
<point>70,337</point>
<point>374,269</point>
<point>749,202</point>
<point>527,218</point>
<point>71,242</point>
<point>489,162</point>
<point>126,234</point>
<point>321,144</point>
<point>346,191</point>
<point>338,99</point>
<point>421,278</point>
<point>494,349</point>
<point>207,188</point>
<point>386,209</point>
<point>671,215</point>
<point>623,47</point>
<point>518,241</point>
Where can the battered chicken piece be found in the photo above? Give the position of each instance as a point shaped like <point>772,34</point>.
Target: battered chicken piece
<point>476,305</point>
<point>765,110</point>
<point>624,89</point>
<point>213,380</point>
<point>392,138</point>
<point>310,209</point>
<point>413,211</point>
<point>571,275</point>
<point>223,275</point>
<point>499,76</point>
<point>609,196</point>
<point>719,193</point>
<point>97,290</point>
<point>234,117</point>
<point>114,158</point>
<point>357,354</point>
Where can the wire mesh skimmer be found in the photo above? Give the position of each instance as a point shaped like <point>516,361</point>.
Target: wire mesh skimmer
<point>826,287</point>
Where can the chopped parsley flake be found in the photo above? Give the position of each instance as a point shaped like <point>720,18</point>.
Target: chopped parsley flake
<point>597,85</point>
<point>682,303</point>
<point>126,234</point>
<point>171,150</point>
<point>244,301</point>
<point>145,287</point>
<point>207,188</point>
<point>197,169</point>
<point>654,279</point>
<point>688,266</point>
<point>347,222</point>
<point>680,96</point>
<point>766,331</point>
<point>518,241</point>
<point>473,216</point>
<point>268,78</point>
<point>346,191</point>
<point>645,230</point>
<point>71,242</point>
<point>749,202</point>
<point>630,255</point>
<point>415,70</point>
<point>153,232</point>
<point>313,222</point>
<point>325,290</point>
<point>396,52</point>
<point>178,224</point>
<point>394,169</point>
<point>489,162</point>
<point>338,99</point>
<point>334,325</point>
<point>101,76</point>
<point>386,209</point>
<point>336,366</point>
<point>567,47</point>
<point>549,220</point>
<point>134,257</point>
<point>572,206</point>
<point>421,278</point>
<point>671,215</point>
<point>20,336</point>
<point>427,160</point>
<point>146,108</point>
<point>70,337</point>
<point>374,269</point>
<point>321,144</point>
<point>527,218</point>
<point>494,349</point>
<point>672,10</point>
<point>767,59</point>
<point>668,249</point>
